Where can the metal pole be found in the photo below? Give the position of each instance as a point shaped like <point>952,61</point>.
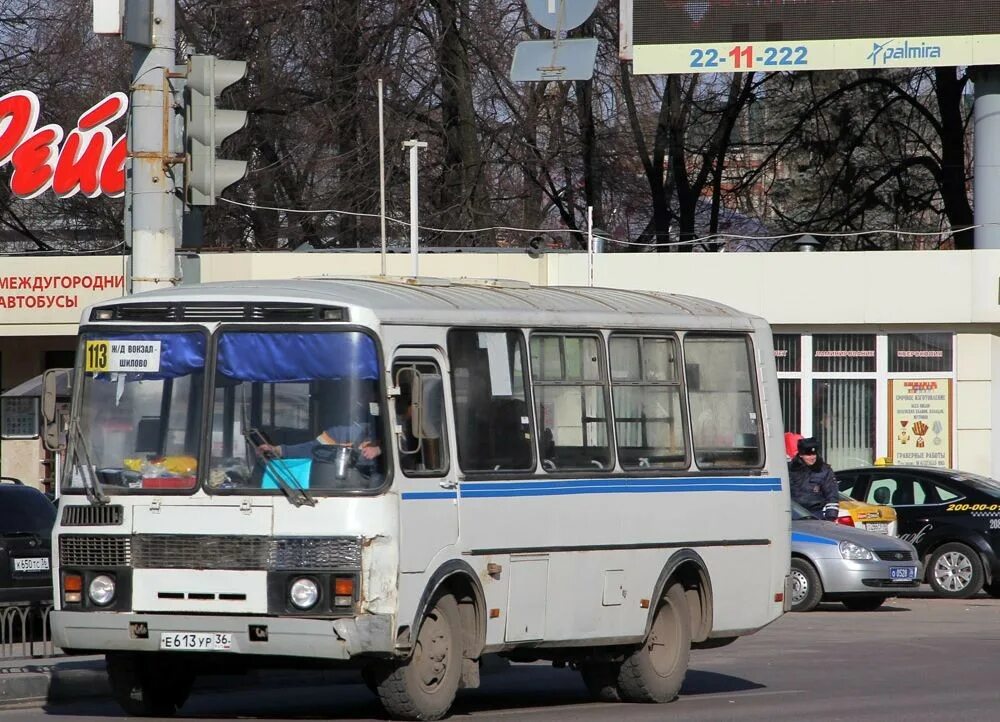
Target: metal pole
<point>150,207</point>
<point>590,245</point>
<point>986,185</point>
<point>381,169</point>
<point>414,145</point>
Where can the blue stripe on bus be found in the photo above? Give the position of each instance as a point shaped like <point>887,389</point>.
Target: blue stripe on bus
<point>798,536</point>
<point>493,489</point>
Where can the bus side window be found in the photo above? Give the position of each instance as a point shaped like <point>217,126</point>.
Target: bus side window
<point>492,415</point>
<point>723,401</point>
<point>567,373</point>
<point>421,450</point>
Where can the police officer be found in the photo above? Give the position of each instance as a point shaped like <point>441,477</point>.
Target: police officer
<point>813,483</point>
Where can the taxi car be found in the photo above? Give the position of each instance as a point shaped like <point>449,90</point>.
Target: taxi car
<point>952,517</point>
<point>879,518</point>
<point>833,562</point>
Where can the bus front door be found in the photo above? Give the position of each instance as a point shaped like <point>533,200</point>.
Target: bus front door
<point>426,482</point>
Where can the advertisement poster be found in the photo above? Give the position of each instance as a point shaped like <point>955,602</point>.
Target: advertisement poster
<point>920,418</point>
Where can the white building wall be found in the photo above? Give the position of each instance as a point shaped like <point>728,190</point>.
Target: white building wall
<point>871,292</point>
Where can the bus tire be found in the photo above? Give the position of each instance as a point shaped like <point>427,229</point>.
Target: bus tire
<point>601,680</point>
<point>423,687</point>
<point>655,671</point>
<point>147,685</point>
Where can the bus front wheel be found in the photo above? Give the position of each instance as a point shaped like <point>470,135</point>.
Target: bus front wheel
<point>147,685</point>
<point>424,686</point>
<point>655,671</point>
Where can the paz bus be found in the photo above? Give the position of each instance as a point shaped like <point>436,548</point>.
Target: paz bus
<point>590,476</point>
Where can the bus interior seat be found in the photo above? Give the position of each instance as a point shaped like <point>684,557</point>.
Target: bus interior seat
<point>511,446</point>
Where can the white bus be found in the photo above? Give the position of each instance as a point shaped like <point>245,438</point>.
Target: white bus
<point>403,475</point>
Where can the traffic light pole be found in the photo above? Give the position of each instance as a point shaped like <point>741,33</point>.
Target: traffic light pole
<point>152,205</point>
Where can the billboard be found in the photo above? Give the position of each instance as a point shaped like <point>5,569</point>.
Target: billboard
<point>711,36</point>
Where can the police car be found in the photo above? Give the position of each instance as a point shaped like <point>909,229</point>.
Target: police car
<point>833,562</point>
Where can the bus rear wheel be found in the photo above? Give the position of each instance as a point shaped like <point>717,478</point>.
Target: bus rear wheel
<point>147,685</point>
<point>655,671</point>
<point>424,686</point>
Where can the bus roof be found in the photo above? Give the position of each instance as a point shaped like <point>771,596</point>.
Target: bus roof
<point>435,301</point>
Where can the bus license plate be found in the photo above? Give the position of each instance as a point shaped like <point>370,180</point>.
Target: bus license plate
<point>196,641</point>
<point>902,574</point>
<point>31,564</point>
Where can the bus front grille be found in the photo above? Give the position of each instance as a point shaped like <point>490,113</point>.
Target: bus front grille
<point>202,551</point>
<point>175,551</point>
<point>78,550</point>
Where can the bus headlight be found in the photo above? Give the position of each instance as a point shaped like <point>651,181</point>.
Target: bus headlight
<point>101,590</point>
<point>303,593</point>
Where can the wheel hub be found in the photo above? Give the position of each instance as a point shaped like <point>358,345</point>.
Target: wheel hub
<point>953,571</point>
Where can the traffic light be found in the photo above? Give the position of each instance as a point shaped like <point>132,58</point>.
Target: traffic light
<point>205,127</point>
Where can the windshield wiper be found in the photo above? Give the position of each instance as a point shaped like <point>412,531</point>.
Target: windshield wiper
<point>91,484</point>
<point>283,477</point>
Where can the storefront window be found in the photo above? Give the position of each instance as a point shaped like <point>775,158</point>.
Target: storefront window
<point>920,352</point>
<point>787,352</point>
<point>844,421</point>
<point>790,391</point>
<point>843,352</point>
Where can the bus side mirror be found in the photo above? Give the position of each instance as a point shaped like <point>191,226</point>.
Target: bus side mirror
<point>51,432</point>
<point>427,406</point>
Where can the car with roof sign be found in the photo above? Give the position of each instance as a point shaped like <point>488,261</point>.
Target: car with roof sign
<point>951,516</point>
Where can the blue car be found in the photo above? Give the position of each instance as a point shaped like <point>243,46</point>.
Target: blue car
<point>832,562</point>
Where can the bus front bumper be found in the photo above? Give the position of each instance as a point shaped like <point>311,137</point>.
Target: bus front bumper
<point>335,639</point>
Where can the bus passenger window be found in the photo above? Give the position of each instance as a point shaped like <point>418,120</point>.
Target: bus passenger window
<point>568,379</point>
<point>492,418</point>
<point>647,402</point>
<point>420,441</point>
<point>722,397</point>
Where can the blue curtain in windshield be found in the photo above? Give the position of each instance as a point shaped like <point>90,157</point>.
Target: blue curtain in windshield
<point>180,353</point>
<point>290,357</point>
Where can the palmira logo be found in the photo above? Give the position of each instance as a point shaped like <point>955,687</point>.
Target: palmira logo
<point>887,52</point>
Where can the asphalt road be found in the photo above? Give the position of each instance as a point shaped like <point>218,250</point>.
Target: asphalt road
<point>915,659</point>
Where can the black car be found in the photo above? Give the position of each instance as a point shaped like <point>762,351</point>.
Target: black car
<point>26,519</point>
<point>951,517</point>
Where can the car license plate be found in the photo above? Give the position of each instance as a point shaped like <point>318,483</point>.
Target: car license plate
<point>880,527</point>
<point>31,564</point>
<point>196,641</point>
<point>901,574</point>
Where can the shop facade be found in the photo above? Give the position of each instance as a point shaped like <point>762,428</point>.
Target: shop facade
<point>890,355</point>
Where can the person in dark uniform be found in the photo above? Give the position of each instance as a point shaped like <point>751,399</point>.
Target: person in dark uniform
<point>812,481</point>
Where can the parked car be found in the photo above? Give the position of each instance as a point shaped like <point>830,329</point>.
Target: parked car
<point>833,562</point>
<point>870,517</point>
<point>26,519</point>
<point>952,517</point>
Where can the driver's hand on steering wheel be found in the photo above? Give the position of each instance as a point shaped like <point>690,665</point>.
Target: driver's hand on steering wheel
<point>369,450</point>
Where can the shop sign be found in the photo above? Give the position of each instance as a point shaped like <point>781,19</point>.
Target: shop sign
<point>89,161</point>
<point>920,422</point>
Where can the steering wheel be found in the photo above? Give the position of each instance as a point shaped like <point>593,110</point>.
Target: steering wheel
<point>548,465</point>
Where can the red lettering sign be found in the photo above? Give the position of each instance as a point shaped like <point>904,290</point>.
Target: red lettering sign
<point>89,162</point>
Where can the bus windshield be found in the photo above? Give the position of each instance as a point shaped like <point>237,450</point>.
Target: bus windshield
<point>296,412</point>
<point>138,420</point>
